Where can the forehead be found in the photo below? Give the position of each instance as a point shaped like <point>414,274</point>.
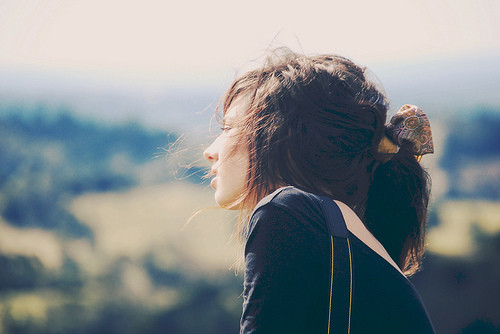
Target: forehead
<point>236,111</point>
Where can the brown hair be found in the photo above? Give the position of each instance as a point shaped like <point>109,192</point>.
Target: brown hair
<point>315,122</point>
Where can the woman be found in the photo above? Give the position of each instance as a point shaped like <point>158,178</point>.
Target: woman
<point>332,201</point>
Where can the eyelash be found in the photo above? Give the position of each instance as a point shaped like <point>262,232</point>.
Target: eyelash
<point>225,128</point>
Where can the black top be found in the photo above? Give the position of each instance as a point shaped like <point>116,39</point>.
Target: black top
<point>288,275</point>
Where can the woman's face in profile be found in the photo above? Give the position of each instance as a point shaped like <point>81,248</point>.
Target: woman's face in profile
<point>230,161</point>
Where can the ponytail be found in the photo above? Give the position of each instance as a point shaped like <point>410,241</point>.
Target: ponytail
<point>396,208</point>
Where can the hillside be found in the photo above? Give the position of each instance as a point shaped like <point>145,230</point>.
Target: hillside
<point>93,233</point>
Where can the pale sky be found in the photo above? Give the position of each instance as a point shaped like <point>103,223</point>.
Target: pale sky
<point>157,40</point>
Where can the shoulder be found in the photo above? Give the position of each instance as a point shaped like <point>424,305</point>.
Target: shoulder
<point>296,206</point>
<point>288,198</point>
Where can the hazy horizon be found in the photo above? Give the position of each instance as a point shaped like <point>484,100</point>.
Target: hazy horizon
<point>156,62</point>
<point>439,86</point>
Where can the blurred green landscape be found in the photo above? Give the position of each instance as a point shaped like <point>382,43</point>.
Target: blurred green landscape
<point>106,222</point>
<point>94,235</point>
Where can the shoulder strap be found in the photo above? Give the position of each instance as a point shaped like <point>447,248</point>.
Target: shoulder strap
<point>334,219</point>
<point>339,314</point>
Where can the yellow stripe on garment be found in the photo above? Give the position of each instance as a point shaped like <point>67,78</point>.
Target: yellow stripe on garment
<point>331,288</point>
<point>350,286</point>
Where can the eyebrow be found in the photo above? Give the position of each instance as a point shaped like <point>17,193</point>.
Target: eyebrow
<point>227,119</point>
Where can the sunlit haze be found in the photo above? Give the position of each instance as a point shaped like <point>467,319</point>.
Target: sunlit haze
<point>199,41</point>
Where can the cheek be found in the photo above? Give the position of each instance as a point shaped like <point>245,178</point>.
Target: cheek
<point>241,169</point>
<point>232,182</point>
<point>235,170</point>
<point>241,156</point>
<point>233,153</point>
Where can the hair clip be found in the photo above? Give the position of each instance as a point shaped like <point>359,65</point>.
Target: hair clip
<point>409,124</point>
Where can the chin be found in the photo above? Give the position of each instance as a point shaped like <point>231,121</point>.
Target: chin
<point>228,203</point>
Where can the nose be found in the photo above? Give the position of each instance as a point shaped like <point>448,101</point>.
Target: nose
<point>210,154</point>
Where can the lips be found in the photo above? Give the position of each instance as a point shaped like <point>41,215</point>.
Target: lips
<point>213,182</point>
